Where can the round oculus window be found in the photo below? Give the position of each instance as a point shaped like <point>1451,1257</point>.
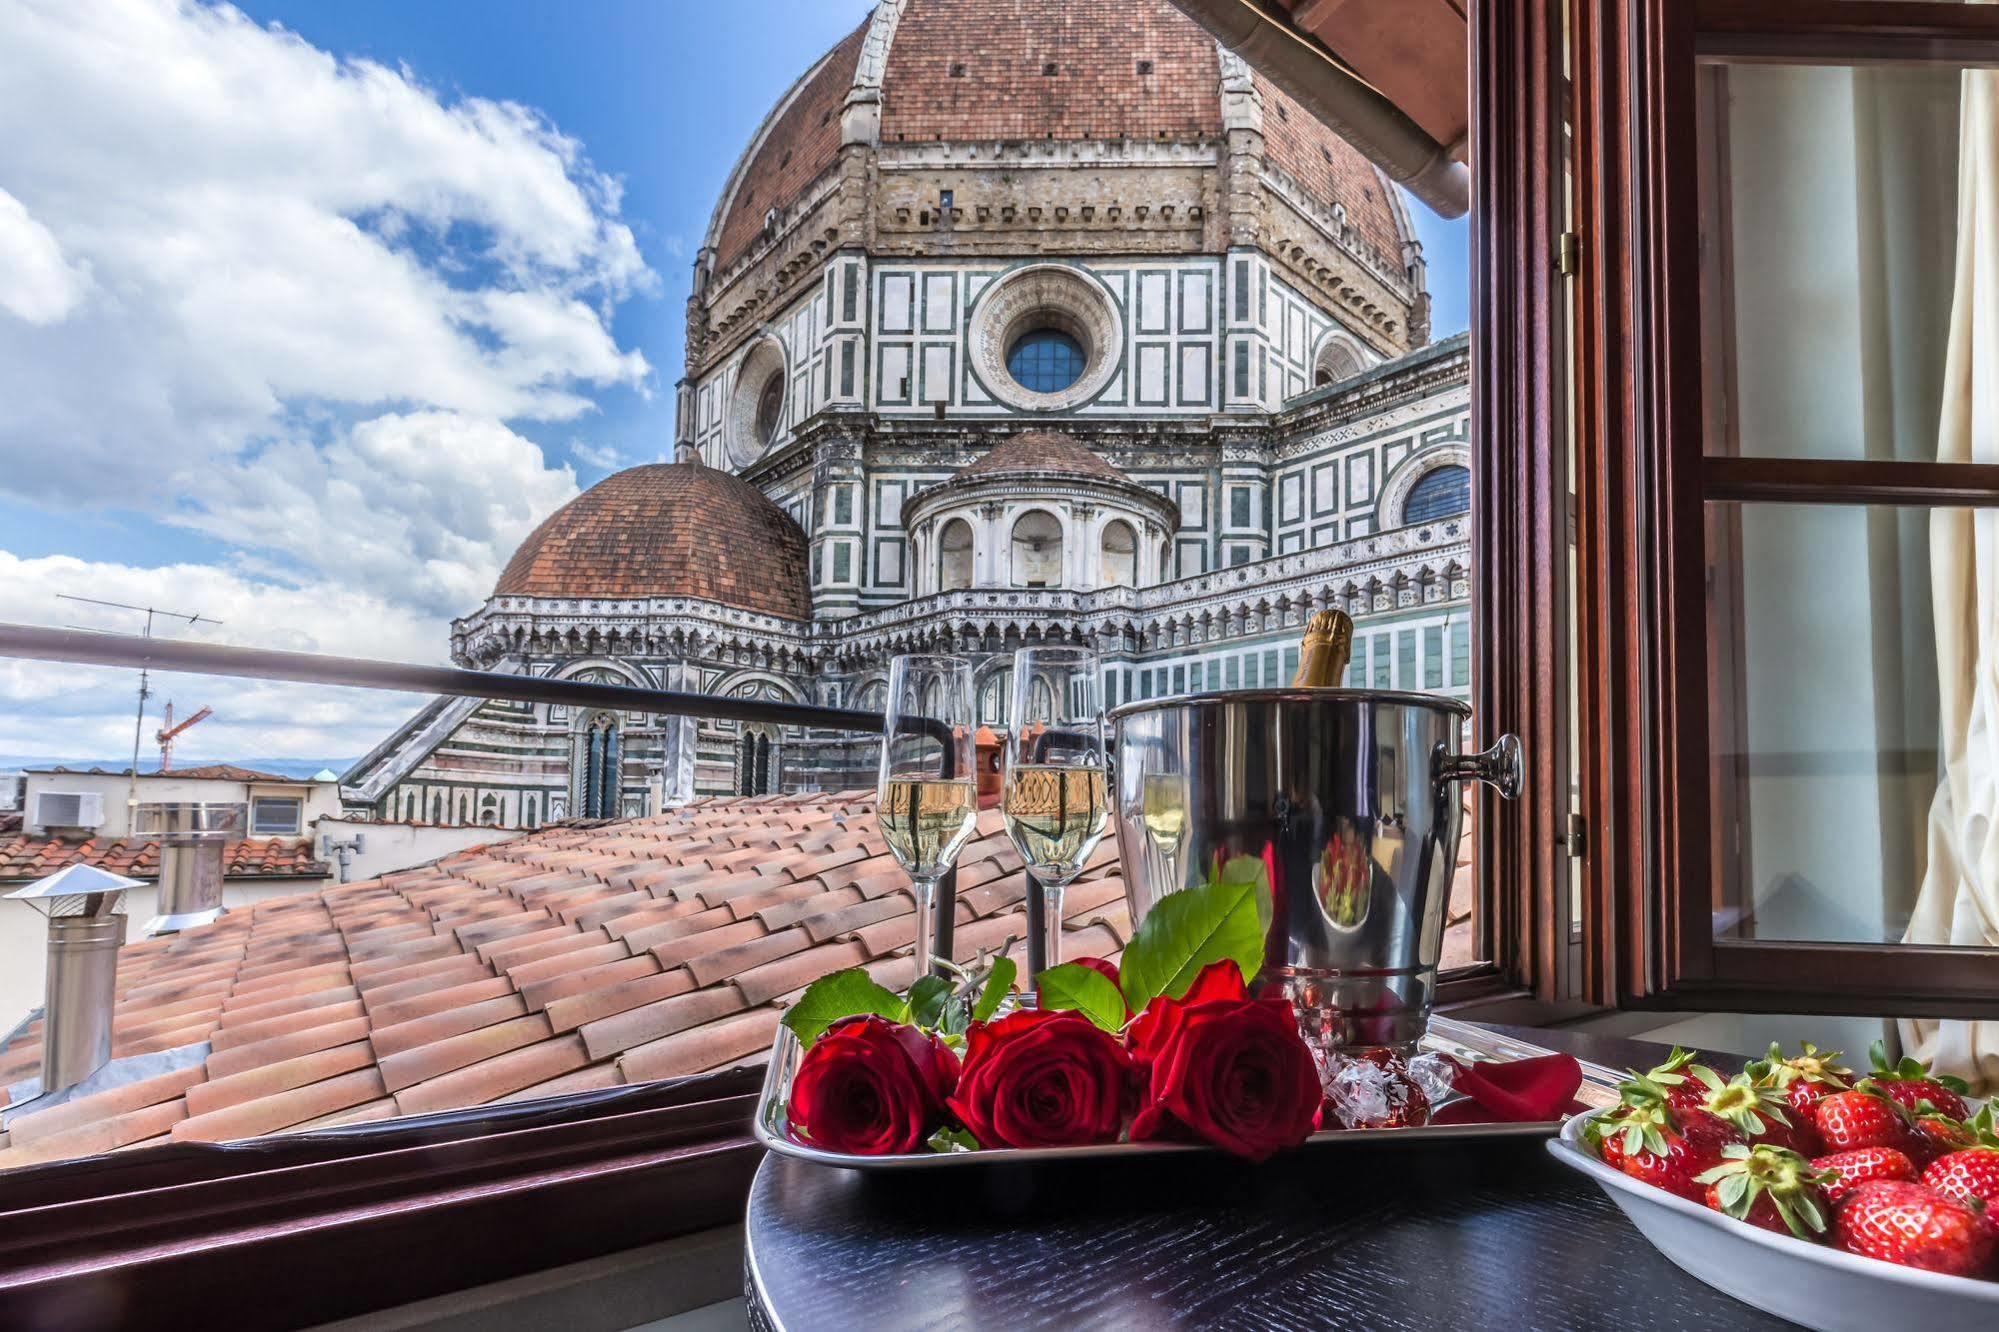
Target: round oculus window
<point>1045,360</point>
<point>770,408</point>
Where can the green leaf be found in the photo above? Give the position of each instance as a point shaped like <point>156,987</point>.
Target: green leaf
<point>927,998</point>
<point>997,984</point>
<point>1083,989</point>
<point>842,994</point>
<point>1226,917</point>
<point>953,1140</point>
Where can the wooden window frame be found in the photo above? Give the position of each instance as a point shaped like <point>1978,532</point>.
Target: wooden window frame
<point>1645,772</point>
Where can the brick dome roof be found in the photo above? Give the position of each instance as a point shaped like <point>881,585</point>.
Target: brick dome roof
<point>667,530</point>
<point>978,71</point>
<point>1042,451</point>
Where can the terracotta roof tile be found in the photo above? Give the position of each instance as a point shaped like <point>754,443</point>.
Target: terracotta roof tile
<point>607,1036</point>
<point>264,1080</point>
<point>407,1067</point>
<point>699,1048</point>
<point>566,960</point>
<point>109,1103</point>
<point>449,1022</point>
<point>306,1040</point>
<point>570,1013</point>
<point>31,856</point>
<point>541,993</point>
<point>490,1079</point>
<point>267,1114</point>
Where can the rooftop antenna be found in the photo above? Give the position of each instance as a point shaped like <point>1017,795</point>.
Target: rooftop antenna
<point>145,690</point>
<point>168,731</point>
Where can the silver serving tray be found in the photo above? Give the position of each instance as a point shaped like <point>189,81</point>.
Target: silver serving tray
<point>773,1127</point>
<point>1813,1284</point>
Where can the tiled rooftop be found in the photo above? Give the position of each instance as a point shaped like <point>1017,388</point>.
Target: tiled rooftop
<point>26,856</point>
<point>205,772</point>
<point>570,959</point>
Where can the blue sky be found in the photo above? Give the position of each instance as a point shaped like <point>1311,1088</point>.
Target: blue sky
<point>665,95</point>
<point>309,311</point>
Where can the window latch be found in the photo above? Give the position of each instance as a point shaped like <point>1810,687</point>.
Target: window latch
<point>1577,840</point>
<point>1568,253</point>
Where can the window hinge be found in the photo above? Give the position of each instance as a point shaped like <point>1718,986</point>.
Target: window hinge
<point>1568,253</point>
<point>1577,842</point>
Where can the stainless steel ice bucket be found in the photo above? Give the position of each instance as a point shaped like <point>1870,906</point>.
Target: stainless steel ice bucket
<point>1352,799</point>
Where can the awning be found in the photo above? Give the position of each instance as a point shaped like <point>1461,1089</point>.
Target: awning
<point>1391,78</point>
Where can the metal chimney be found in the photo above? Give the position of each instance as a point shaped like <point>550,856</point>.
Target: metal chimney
<point>86,910</point>
<point>194,840</point>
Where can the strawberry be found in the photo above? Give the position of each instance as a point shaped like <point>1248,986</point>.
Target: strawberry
<point>1756,1109</point>
<point>1849,1170</point>
<point>1805,1079</point>
<point>1771,1187</point>
<point>1910,1083</point>
<point>1651,1140</point>
<point>1939,1134</point>
<point>1863,1117</point>
<point>1915,1226</point>
<point>1972,1173</point>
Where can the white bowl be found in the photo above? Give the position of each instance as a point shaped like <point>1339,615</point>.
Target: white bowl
<point>1807,1283</point>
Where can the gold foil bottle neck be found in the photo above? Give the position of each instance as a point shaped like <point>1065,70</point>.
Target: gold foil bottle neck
<point>1322,657</point>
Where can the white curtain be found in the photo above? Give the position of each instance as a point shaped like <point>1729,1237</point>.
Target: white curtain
<point>1959,900</point>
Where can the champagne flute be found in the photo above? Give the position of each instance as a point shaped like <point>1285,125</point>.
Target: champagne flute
<point>1056,803</point>
<point>928,798</point>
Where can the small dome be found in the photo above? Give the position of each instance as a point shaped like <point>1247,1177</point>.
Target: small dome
<point>667,530</point>
<point>1043,451</point>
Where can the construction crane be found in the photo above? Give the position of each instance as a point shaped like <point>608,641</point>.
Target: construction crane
<point>168,731</point>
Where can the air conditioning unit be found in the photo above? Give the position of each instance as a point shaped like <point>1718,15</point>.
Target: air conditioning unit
<point>69,809</point>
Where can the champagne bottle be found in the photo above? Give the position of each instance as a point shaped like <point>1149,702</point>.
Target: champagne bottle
<point>1322,660</point>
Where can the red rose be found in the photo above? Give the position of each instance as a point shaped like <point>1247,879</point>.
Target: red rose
<point>1218,981</point>
<point>1043,1078</point>
<point>1229,1070</point>
<point>871,1087</point>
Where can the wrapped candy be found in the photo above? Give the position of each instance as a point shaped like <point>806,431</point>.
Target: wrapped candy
<point>1372,1088</point>
<point>1436,1074</point>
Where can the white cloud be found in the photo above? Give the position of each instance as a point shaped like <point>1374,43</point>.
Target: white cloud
<point>37,285</point>
<point>423,507</point>
<point>603,457</point>
<point>267,231</point>
<point>55,709</point>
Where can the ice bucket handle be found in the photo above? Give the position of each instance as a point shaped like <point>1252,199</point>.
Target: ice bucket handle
<point>1498,767</point>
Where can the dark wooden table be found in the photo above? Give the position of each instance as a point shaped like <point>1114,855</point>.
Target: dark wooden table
<point>1488,1238</point>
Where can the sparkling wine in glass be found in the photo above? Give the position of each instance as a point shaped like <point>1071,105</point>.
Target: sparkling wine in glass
<point>1056,801</point>
<point>927,801</point>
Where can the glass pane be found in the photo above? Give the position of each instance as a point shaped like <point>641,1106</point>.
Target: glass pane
<point>1828,226</point>
<point>1828,733</point>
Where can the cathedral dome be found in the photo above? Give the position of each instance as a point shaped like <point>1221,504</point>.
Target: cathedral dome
<point>667,530</point>
<point>986,72</point>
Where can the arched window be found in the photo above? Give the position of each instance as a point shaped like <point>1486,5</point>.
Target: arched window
<point>1118,566</point>
<point>489,811</point>
<point>1037,550</point>
<point>599,763</point>
<point>996,699</point>
<point>464,811</point>
<point>756,764</point>
<point>873,696</point>
<point>437,809</point>
<point>529,809</point>
<point>1336,362</point>
<point>1045,360</point>
<point>1441,492</point>
<point>954,556</point>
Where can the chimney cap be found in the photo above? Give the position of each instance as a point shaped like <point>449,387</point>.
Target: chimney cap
<point>79,890</point>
